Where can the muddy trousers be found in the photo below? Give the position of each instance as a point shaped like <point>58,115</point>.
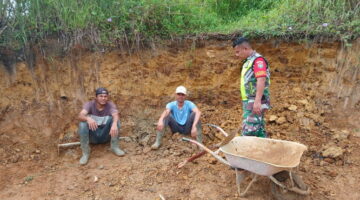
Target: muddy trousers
<point>253,124</point>
<point>99,136</point>
<point>183,129</point>
<point>175,127</point>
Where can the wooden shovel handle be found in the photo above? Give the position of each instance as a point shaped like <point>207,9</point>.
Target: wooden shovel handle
<point>207,150</point>
<point>198,155</point>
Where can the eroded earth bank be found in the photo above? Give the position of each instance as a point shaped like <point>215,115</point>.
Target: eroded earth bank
<point>315,89</point>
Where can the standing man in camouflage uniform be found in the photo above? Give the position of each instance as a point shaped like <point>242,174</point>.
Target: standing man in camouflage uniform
<point>254,88</point>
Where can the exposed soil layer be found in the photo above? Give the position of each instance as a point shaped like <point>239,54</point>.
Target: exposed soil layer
<point>39,107</point>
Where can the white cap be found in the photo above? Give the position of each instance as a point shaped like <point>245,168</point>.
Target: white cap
<point>180,89</point>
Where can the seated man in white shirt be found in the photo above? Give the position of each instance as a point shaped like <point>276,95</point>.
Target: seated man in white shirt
<point>181,116</point>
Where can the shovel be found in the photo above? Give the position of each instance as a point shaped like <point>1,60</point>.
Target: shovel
<point>228,138</point>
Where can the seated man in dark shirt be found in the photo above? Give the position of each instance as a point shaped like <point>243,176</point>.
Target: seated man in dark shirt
<point>99,124</point>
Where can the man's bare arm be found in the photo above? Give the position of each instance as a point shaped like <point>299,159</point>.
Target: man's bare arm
<point>164,114</point>
<point>160,124</point>
<point>83,115</point>
<point>197,116</point>
<point>196,120</point>
<point>115,117</point>
<point>260,86</point>
<point>114,129</point>
<point>84,118</point>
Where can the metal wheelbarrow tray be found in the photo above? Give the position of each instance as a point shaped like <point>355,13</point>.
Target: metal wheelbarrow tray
<point>263,156</point>
<point>260,156</point>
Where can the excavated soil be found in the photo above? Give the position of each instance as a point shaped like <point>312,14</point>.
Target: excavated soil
<point>39,108</point>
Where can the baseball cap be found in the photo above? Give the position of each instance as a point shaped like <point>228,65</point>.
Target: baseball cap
<point>180,89</point>
<point>101,90</point>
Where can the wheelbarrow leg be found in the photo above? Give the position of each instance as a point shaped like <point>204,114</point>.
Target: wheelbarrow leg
<point>240,175</point>
<point>293,189</point>
<point>291,179</point>
<point>248,187</point>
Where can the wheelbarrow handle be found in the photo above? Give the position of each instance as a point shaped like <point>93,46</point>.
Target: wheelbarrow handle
<point>186,139</point>
<point>207,150</point>
<point>219,129</point>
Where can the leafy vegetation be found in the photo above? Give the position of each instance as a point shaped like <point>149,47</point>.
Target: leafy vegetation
<point>136,22</point>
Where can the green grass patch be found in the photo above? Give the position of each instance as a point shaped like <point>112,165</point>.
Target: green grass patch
<point>136,22</point>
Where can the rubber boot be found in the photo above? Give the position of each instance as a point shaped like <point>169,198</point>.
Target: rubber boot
<point>114,144</point>
<point>199,137</point>
<point>85,147</point>
<point>159,136</point>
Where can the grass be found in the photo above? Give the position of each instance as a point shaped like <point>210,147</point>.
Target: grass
<point>135,23</point>
<point>28,179</point>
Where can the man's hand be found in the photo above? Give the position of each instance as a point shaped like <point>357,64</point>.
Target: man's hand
<point>114,130</point>
<point>260,86</point>
<point>160,125</point>
<point>193,131</point>
<point>257,108</point>
<point>92,124</point>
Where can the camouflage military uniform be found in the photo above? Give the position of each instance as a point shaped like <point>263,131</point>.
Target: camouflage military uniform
<point>253,124</point>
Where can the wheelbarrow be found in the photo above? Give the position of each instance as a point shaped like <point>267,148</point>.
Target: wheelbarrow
<point>260,156</point>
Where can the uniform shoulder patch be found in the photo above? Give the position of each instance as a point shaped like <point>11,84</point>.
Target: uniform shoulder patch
<point>260,64</point>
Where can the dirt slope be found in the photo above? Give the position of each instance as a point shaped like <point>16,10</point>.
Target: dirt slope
<point>38,109</point>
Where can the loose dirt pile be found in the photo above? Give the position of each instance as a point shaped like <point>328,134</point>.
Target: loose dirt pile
<point>39,108</point>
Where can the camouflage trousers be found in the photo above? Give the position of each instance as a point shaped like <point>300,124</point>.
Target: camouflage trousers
<point>253,124</point>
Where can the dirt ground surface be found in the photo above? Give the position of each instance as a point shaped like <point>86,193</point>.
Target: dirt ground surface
<point>315,101</point>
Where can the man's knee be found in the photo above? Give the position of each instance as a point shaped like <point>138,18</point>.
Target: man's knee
<point>110,121</point>
<point>83,128</point>
<point>192,116</point>
<point>167,121</point>
<point>253,130</point>
<point>198,124</point>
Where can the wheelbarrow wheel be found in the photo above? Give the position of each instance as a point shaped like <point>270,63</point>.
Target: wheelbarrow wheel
<point>283,194</point>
